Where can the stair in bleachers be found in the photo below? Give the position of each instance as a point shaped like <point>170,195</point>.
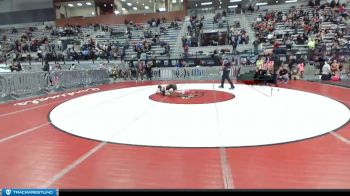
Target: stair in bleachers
<point>245,24</point>
<point>170,36</point>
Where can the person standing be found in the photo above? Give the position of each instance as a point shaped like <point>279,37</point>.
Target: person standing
<point>234,47</point>
<point>301,68</point>
<point>256,47</point>
<point>148,70</point>
<point>326,72</point>
<point>225,74</point>
<point>140,69</point>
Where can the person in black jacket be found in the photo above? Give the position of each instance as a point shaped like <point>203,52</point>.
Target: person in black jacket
<point>148,70</point>
<point>46,66</point>
<point>225,74</point>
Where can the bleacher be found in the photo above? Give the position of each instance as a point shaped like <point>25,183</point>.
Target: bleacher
<point>223,25</point>
<point>282,29</point>
<point>169,36</point>
<point>172,36</point>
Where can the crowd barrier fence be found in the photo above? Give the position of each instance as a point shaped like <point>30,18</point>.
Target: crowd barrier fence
<point>197,73</point>
<point>22,84</point>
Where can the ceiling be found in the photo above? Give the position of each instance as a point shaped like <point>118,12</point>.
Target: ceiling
<point>192,4</point>
<point>221,4</point>
<point>126,4</point>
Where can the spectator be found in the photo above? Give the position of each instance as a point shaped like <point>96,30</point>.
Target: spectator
<point>301,67</point>
<point>326,72</point>
<point>46,66</point>
<point>335,68</point>
<point>256,47</point>
<point>186,48</point>
<point>143,56</point>
<point>140,70</point>
<point>311,44</point>
<point>72,67</point>
<point>114,72</point>
<point>148,70</point>
<point>16,66</point>
<point>283,74</point>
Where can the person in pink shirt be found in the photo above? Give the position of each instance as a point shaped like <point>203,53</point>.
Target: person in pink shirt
<point>301,67</point>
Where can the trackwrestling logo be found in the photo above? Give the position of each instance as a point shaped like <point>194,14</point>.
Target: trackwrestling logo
<point>32,192</point>
<point>192,94</point>
<point>38,101</point>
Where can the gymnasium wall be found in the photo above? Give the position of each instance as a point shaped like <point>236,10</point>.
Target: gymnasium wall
<point>26,11</point>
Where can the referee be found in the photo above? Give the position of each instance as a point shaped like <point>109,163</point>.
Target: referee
<point>225,73</point>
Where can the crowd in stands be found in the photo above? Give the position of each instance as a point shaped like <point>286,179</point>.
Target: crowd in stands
<point>323,29</point>
<point>46,45</point>
<point>138,71</point>
<point>193,30</point>
<point>273,70</point>
<point>237,36</point>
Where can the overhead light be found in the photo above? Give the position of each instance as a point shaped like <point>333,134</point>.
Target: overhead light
<point>235,1</point>
<point>207,3</point>
<point>292,1</point>
<point>105,5</point>
<point>88,3</point>
<point>111,5</point>
<point>262,3</point>
<point>182,1</point>
<point>116,12</point>
<point>123,9</point>
<point>70,5</point>
<point>93,13</point>
<point>134,8</point>
<point>79,4</point>
<point>129,4</point>
<point>173,1</point>
<point>123,0</point>
<point>196,5</point>
<point>162,9</point>
<point>146,7</point>
<point>232,6</point>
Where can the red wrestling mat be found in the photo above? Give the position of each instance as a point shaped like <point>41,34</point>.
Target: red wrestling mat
<point>35,154</point>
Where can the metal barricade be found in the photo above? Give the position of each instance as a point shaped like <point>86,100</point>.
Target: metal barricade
<point>77,78</point>
<point>15,85</point>
<point>197,73</point>
<point>97,76</point>
<point>70,79</point>
<point>4,88</point>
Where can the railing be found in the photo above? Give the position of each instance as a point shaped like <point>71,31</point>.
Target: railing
<point>13,85</point>
<point>197,73</point>
<point>20,85</point>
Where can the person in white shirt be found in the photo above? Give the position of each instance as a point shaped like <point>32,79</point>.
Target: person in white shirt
<point>103,66</point>
<point>270,36</point>
<point>326,72</point>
